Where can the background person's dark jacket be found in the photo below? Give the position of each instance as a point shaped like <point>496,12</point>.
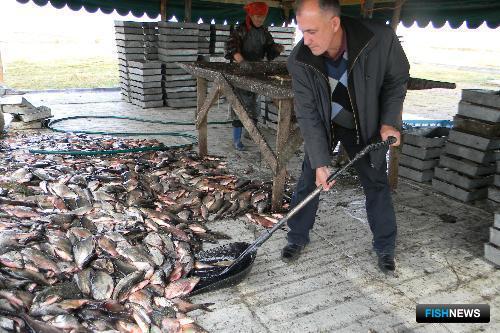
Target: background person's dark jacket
<point>378,73</point>
<point>253,45</point>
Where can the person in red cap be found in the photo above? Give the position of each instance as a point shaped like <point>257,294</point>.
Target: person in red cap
<point>248,42</point>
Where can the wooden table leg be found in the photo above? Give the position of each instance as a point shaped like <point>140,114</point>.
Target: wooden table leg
<point>394,160</point>
<point>279,177</point>
<point>278,189</point>
<point>201,94</point>
<point>393,167</point>
<point>248,123</point>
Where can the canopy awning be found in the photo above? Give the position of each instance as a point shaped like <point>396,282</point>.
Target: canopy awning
<point>474,12</point>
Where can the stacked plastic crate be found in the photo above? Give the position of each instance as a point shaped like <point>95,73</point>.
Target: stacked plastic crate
<point>494,190</point>
<point>284,36</point>
<point>140,73</point>
<point>467,167</point>
<point>178,42</point>
<point>145,83</point>
<point>269,112</point>
<point>219,34</point>
<point>420,152</point>
<point>204,41</point>
<point>492,249</point>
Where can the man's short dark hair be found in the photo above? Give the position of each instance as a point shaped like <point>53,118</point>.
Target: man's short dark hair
<point>325,5</point>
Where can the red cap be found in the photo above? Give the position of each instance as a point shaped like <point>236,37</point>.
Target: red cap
<point>256,8</point>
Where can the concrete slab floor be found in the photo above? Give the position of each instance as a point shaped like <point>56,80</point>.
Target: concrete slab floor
<point>335,286</point>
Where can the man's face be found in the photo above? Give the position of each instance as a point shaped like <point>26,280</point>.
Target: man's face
<point>258,20</point>
<point>317,26</point>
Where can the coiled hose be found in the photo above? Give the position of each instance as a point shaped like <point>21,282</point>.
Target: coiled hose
<point>191,137</point>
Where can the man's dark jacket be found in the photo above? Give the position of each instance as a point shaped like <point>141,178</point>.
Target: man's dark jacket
<point>378,72</point>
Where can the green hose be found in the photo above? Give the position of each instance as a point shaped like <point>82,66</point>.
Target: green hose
<point>193,139</point>
<point>98,152</point>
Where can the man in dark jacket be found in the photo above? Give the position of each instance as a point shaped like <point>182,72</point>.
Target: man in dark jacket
<point>349,80</point>
<point>250,41</point>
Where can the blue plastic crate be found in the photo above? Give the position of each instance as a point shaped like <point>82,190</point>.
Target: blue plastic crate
<point>427,123</point>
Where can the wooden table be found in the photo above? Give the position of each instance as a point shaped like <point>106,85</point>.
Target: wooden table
<point>394,152</point>
<point>263,81</point>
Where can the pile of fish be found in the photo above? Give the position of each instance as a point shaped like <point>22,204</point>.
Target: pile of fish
<point>107,243</point>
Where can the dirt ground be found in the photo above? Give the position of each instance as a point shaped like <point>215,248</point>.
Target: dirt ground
<point>335,286</point>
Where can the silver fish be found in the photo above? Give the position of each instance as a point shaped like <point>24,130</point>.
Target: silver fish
<point>102,285</point>
<point>67,322</point>
<point>143,297</point>
<point>78,233</point>
<point>39,259</point>
<point>141,317</point>
<point>153,239</point>
<point>27,274</point>
<point>181,287</point>
<point>64,290</point>
<point>103,264</point>
<point>39,326</point>
<point>262,206</point>
<point>107,245</point>
<point>62,247</point>
<point>125,284</point>
<point>22,175</point>
<point>42,174</point>
<point>82,280</point>
<point>156,255</point>
<point>13,259</point>
<point>62,191</point>
<point>136,255</point>
<point>6,324</point>
<point>158,277</point>
<point>83,251</point>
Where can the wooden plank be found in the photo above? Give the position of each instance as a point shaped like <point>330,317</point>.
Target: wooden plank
<point>396,14</point>
<point>271,88</point>
<point>293,143</point>
<point>475,126</point>
<point>285,108</point>
<point>202,112</point>
<point>163,10</point>
<point>277,191</point>
<point>201,85</point>
<point>394,152</point>
<point>284,123</point>
<point>393,166</point>
<point>415,83</point>
<point>188,4</point>
<point>249,125</point>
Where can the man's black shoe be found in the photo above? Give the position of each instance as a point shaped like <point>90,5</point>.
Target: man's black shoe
<point>291,252</point>
<point>386,262</point>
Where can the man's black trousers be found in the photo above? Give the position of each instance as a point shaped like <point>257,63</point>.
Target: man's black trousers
<point>379,208</point>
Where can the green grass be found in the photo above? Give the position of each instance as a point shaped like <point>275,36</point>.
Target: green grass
<point>464,77</point>
<point>103,72</point>
<point>60,74</point>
